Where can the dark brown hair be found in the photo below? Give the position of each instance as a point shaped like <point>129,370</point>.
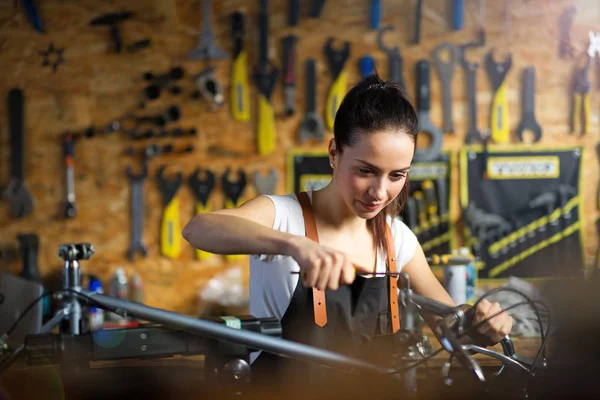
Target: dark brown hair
<point>374,105</point>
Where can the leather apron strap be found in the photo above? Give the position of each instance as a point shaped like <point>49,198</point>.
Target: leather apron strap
<point>320,309</point>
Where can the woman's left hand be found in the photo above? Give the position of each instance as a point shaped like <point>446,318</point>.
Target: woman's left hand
<point>495,329</point>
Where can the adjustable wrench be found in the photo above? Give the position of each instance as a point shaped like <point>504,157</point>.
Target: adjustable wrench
<point>470,69</point>
<point>528,121</point>
<point>16,192</point>
<point>394,57</point>
<point>445,70</point>
<point>137,212</point>
<point>312,126</point>
<point>207,49</point>
<point>265,185</point>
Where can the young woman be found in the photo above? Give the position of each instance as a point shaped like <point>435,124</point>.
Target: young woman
<point>354,226</point>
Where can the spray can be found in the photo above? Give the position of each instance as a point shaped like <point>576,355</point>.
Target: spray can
<point>95,315</point>
<point>119,288</point>
<point>455,281</point>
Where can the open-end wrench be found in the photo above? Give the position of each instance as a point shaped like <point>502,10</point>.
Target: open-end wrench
<point>137,212</point>
<point>16,192</point>
<point>312,126</point>
<point>394,57</point>
<point>445,70</point>
<point>470,68</point>
<point>207,49</point>
<point>202,188</point>
<point>528,121</point>
<point>425,125</point>
<point>69,154</point>
<point>266,184</point>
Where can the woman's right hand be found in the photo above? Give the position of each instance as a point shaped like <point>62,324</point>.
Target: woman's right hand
<point>320,266</point>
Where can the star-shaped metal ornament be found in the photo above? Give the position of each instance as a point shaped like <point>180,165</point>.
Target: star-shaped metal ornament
<point>53,57</point>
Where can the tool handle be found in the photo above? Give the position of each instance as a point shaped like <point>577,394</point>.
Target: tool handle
<point>317,7</point>
<point>421,211</point>
<point>16,105</point>
<point>471,78</point>
<point>375,14</point>
<point>240,95</point>
<point>237,31</point>
<point>289,59</point>
<point>499,116</point>
<point>263,29</point>
<point>423,85</point>
<point>170,234</point>
<point>266,126</point>
<point>28,247</point>
<point>366,66</point>
<point>529,91</point>
<point>293,12</point>
<point>442,194</point>
<point>430,198</point>
<point>334,98</point>
<point>395,66</point>
<point>411,210</point>
<point>449,259</point>
<point>68,148</point>
<point>311,86</point>
<point>418,12</point>
<point>457,14</point>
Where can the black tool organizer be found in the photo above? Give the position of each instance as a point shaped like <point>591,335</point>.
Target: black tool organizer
<point>522,211</point>
<point>427,209</point>
<point>307,170</point>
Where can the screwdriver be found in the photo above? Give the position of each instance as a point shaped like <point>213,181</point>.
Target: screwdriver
<point>240,98</point>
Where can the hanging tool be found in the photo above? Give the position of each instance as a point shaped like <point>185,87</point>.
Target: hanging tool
<point>528,121</point>
<point>52,57</point>
<point>69,156</point>
<point>266,184</point>
<point>159,82</point>
<point>113,20</point>
<point>422,215</point>
<point>425,125</point>
<point>316,8</point>
<point>209,87</point>
<point>16,191</point>
<point>411,213</point>
<point>170,231</point>
<point>31,9</point>
<point>431,204</point>
<point>581,108</point>
<point>293,12</point>
<point>470,68</point>
<point>375,13</point>
<point>442,203</point>
<point>499,125</point>
<point>445,70</point>
<point>336,61</point>
<point>202,189</point>
<point>366,66</point>
<point>418,14</point>
<point>457,14</point>
<point>565,48</point>
<point>233,191</point>
<point>207,48</point>
<point>265,77</point>
<point>289,73</point>
<point>240,94</point>
<point>394,57</point>
<point>137,212</point>
<point>312,126</point>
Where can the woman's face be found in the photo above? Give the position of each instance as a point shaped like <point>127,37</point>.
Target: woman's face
<point>371,174</point>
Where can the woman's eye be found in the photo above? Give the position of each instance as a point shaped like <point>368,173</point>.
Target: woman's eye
<point>398,176</point>
<point>364,171</point>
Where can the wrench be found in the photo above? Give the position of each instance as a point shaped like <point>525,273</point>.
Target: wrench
<point>170,233</point>
<point>445,70</point>
<point>312,126</point>
<point>265,185</point>
<point>137,212</point>
<point>528,121</point>
<point>394,57</point>
<point>16,192</point>
<point>425,124</point>
<point>470,69</point>
<point>207,49</point>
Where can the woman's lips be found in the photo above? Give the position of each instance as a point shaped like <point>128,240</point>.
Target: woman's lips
<point>370,207</point>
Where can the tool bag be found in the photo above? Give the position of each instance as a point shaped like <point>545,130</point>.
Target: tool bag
<point>521,210</point>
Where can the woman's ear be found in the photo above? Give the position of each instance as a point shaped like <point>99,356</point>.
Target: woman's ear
<point>332,152</point>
